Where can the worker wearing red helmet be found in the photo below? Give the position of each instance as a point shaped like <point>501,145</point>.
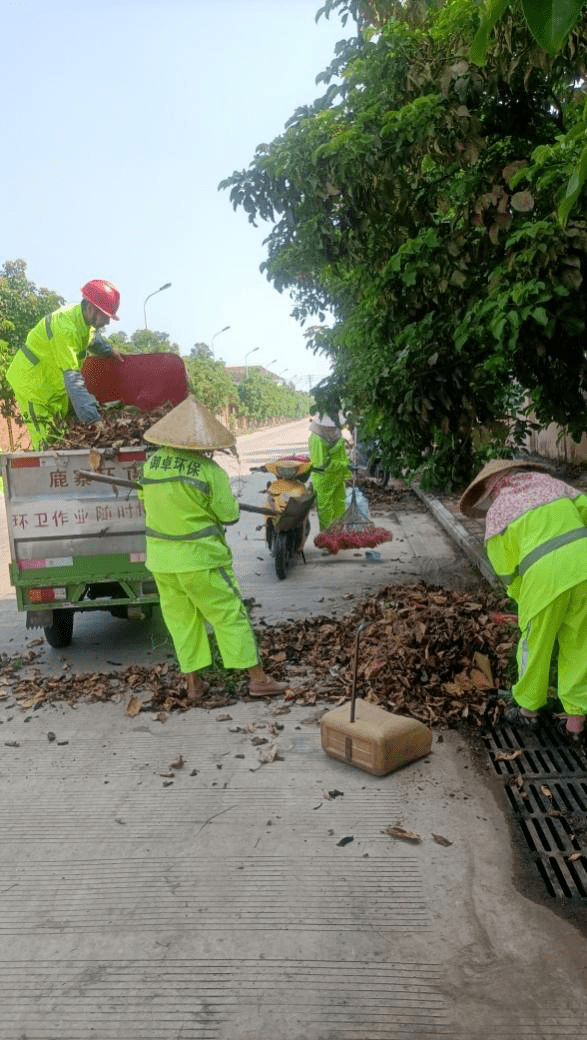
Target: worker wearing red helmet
<point>45,373</point>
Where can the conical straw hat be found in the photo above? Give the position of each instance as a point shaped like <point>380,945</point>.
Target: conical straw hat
<point>191,426</point>
<point>477,488</point>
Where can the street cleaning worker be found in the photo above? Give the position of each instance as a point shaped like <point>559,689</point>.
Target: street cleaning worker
<point>45,372</point>
<point>536,541</point>
<point>330,469</point>
<point>188,502</point>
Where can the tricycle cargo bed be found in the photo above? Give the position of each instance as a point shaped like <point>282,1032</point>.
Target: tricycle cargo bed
<point>76,543</point>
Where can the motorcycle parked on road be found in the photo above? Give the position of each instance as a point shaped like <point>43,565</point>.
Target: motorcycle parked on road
<point>288,496</point>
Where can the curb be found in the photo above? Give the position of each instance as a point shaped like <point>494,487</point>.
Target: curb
<point>471,546</point>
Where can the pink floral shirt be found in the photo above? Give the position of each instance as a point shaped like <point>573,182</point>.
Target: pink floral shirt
<point>518,493</point>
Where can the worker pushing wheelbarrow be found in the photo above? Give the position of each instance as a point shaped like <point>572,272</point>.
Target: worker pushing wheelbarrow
<point>289,497</point>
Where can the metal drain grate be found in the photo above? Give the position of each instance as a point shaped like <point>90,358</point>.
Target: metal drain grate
<point>545,783</point>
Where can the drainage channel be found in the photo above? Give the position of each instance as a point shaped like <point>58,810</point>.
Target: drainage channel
<point>545,783</point>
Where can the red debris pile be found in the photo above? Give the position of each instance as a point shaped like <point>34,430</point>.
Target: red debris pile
<point>353,530</point>
<point>336,538</point>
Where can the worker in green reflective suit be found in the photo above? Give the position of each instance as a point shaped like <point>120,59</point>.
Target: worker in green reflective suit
<point>536,541</point>
<point>45,373</point>
<point>330,469</point>
<point>188,502</point>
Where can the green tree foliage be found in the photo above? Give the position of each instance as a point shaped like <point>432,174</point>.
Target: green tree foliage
<point>210,383</point>
<point>551,23</point>
<point>143,341</point>
<point>263,397</point>
<point>414,203</point>
<point>22,305</point>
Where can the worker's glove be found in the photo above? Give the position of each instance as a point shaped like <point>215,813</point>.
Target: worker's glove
<point>100,346</point>
<point>83,402</point>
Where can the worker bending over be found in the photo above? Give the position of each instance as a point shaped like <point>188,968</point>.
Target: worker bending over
<point>45,373</point>
<point>536,541</point>
<point>188,502</point>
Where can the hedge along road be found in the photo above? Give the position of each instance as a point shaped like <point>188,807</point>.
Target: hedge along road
<point>419,550</point>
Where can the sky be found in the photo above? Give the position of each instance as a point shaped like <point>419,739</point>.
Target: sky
<point>119,121</point>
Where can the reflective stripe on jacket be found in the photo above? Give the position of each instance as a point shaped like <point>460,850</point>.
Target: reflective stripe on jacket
<point>188,500</point>
<point>541,554</point>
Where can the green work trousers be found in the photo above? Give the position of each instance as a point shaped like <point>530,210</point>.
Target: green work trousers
<point>40,421</point>
<point>330,496</point>
<point>564,619</point>
<point>190,599</point>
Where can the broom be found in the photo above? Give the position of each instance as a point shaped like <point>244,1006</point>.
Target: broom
<point>353,530</point>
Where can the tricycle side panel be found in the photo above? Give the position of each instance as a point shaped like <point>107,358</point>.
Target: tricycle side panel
<point>66,530</point>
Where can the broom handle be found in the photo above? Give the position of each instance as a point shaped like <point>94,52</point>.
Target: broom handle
<point>103,478</point>
<point>355,669</point>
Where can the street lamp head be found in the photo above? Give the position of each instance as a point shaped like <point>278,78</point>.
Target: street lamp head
<point>154,293</point>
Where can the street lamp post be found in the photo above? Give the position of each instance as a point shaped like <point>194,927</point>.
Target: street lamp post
<point>220,331</point>
<point>253,351</point>
<point>160,289</point>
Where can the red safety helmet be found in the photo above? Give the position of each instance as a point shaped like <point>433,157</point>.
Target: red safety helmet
<point>102,295</point>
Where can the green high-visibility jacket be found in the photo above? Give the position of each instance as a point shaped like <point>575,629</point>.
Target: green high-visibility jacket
<point>330,469</point>
<point>542,554</point>
<point>188,501</point>
<point>57,344</point>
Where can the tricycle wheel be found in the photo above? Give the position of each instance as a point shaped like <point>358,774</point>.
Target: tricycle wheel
<point>269,533</point>
<point>60,632</point>
<point>281,553</point>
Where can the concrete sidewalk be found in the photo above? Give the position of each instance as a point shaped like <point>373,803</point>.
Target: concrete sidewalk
<point>242,898</point>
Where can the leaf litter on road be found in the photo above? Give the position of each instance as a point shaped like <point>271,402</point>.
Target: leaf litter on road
<point>426,652</point>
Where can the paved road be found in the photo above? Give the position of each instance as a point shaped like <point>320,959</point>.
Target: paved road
<point>243,899</point>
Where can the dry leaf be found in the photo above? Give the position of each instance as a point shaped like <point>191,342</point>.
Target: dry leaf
<point>95,460</point>
<point>519,783</point>
<point>134,706</point>
<point>482,663</point>
<point>441,841</point>
<point>224,718</point>
<point>508,756</point>
<point>271,755</point>
<point>178,764</point>
<point>402,835</point>
<point>168,776</point>
<point>574,857</point>
<point>546,791</point>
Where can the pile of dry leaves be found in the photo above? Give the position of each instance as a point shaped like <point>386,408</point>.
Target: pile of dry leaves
<point>117,426</point>
<point>425,651</point>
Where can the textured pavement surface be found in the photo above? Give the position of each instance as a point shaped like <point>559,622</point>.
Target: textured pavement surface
<point>217,877</point>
